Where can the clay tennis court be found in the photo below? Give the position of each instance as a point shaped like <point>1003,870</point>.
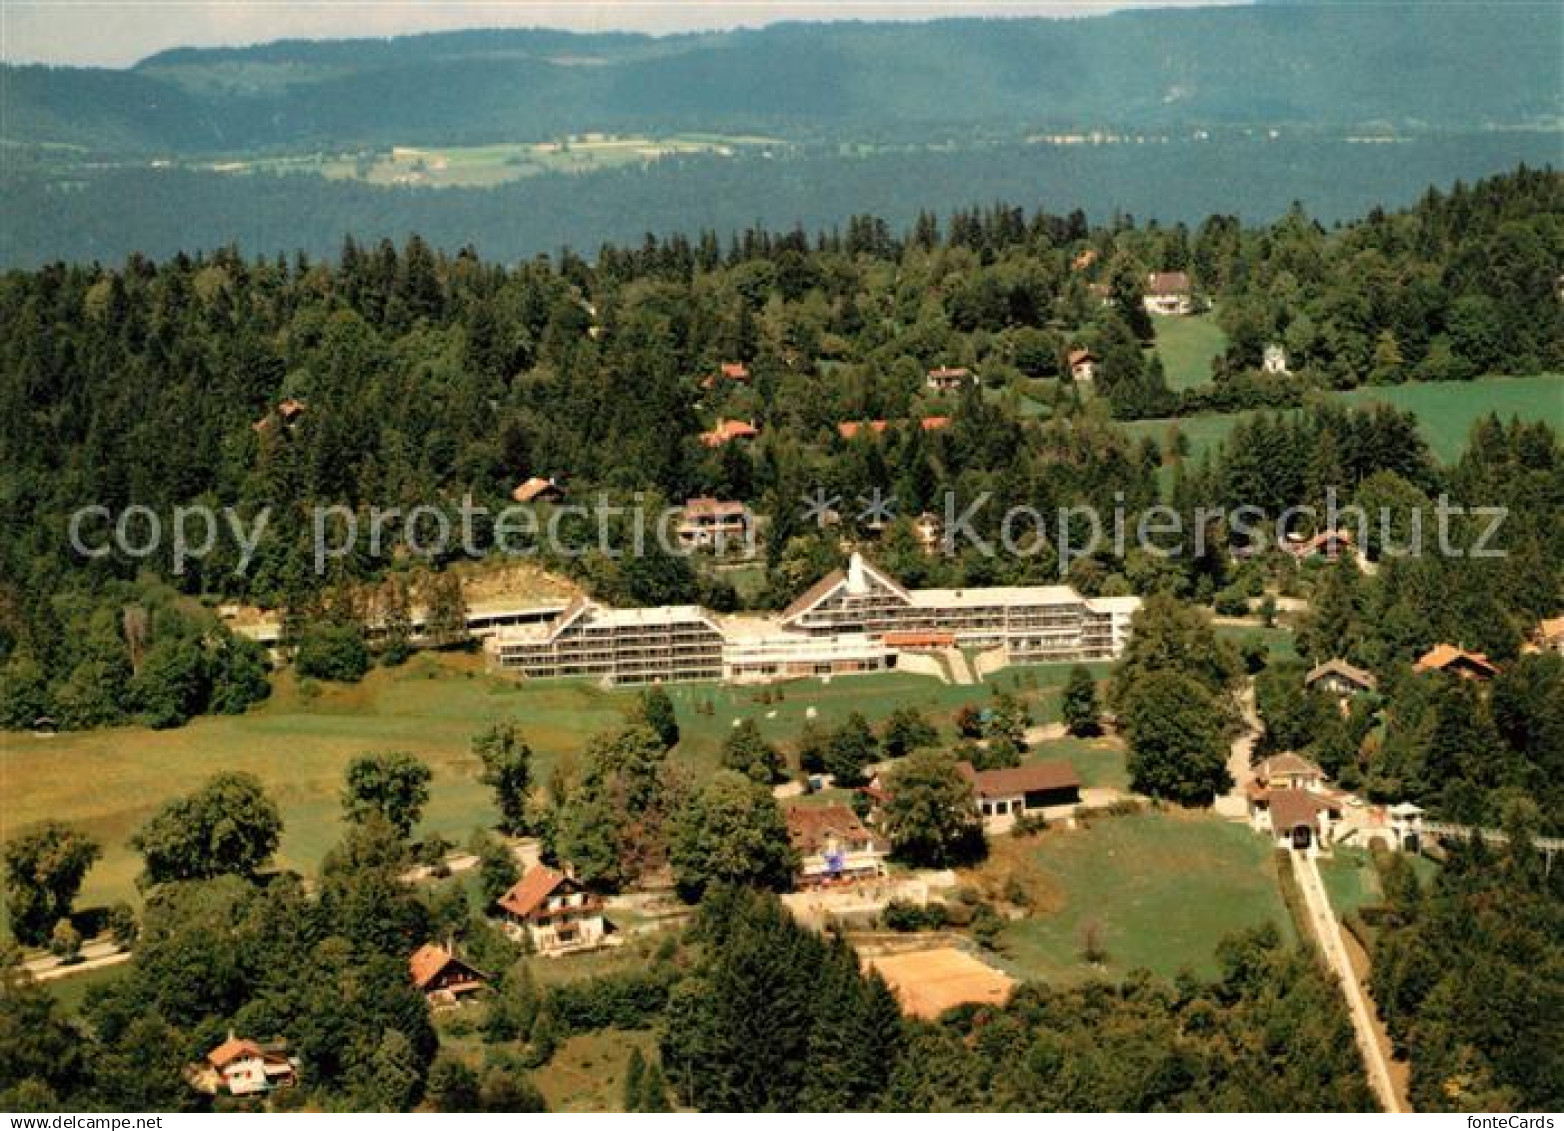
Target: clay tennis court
<point>928,982</point>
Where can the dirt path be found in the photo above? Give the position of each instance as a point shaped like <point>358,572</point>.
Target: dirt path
<point>95,956</point>
<point>1327,933</point>
<point>1235,803</point>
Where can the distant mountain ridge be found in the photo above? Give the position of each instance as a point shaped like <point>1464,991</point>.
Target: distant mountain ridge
<point>1393,67</point>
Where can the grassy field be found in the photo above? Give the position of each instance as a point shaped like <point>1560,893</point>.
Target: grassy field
<point>1279,642</point>
<point>483,166</point>
<point>1446,411</point>
<point>588,1071</point>
<point>71,992</point>
<point>1164,887</point>
<point>1099,761</point>
<point>1186,346</point>
<point>111,781</point>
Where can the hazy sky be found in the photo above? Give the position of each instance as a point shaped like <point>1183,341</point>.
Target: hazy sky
<point>118,32</point>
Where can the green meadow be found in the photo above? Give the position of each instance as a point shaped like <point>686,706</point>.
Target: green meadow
<point>1160,888</point>
<point>111,781</point>
<point>1445,411</point>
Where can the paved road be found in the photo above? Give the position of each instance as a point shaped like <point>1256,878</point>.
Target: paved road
<point>1327,932</point>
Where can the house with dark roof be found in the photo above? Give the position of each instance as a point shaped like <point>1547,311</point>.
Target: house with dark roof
<point>709,523</point>
<point>833,846</point>
<point>1083,366</point>
<point>1339,678</point>
<point>443,978</point>
<point>554,912</point>
<point>1003,795</point>
<point>1169,292</point>
<point>1295,818</point>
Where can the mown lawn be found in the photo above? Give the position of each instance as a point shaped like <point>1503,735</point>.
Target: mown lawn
<point>111,781</point>
<point>1186,345</point>
<point>1446,411</point>
<point>1164,889</point>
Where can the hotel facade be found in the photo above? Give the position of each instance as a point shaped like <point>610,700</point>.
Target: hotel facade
<point>858,619</point>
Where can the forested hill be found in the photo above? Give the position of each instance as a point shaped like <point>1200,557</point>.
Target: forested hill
<point>1398,66</point>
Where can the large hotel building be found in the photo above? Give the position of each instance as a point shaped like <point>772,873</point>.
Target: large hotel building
<point>855,620</point>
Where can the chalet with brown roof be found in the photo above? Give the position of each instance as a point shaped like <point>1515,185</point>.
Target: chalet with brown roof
<point>1003,795</point>
<point>712,523</point>
<point>1289,771</point>
<point>1456,661</point>
<point>934,423</point>
<point>442,977</point>
<point>241,1067</point>
<point>1339,678</point>
<point>1169,292</point>
<point>538,490</point>
<point>949,379</point>
<point>1083,366</point>
<point>1296,818</point>
<point>726,431</point>
<point>833,846</point>
<point>554,912</point>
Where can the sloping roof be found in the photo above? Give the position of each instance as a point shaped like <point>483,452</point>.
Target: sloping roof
<point>934,423</point>
<point>812,827</point>
<point>1293,807</point>
<point>950,372</point>
<point>1286,763</point>
<point>529,892</point>
<point>1345,670</point>
<point>430,961</point>
<point>809,597</point>
<point>1168,283</point>
<point>234,1048</point>
<point>1078,356</point>
<point>1550,629</point>
<point>1442,656</point>
<point>735,371</point>
<point>847,429</point>
<point>533,488</point>
<point>1036,777</point>
<point>729,430</point>
<point>707,507</point>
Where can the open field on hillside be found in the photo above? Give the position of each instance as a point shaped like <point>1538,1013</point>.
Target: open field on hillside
<point>482,166</point>
<point>1163,887</point>
<point>1187,345</point>
<point>111,781</point>
<point>1446,411</point>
